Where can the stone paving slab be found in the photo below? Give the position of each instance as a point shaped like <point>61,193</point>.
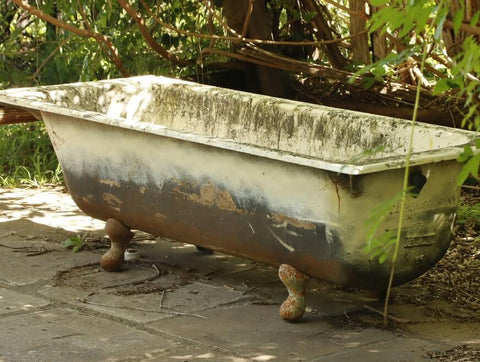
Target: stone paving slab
<point>398,349</point>
<point>17,268</point>
<point>190,299</point>
<point>14,302</point>
<point>256,330</point>
<point>69,335</point>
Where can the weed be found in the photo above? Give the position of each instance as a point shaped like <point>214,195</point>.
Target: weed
<point>75,242</point>
<point>27,157</point>
<point>469,214</point>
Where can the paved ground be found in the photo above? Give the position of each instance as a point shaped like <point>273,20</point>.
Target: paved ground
<point>177,304</point>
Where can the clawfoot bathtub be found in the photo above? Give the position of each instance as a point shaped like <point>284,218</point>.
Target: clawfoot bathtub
<point>279,181</point>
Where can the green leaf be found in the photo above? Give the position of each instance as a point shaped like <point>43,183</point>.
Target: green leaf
<point>442,86</point>
<point>470,168</point>
<point>75,242</point>
<point>457,19</point>
<point>475,18</point>
<point>439,30</point>
<point>466,154</point>
<point>378,2</point>
<point>368,82</point>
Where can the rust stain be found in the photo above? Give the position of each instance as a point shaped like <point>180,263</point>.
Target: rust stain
<point>336,190</point>
<point>207,193</point>
<point>89,199</point>
<point>111,183</point>
<point>284,220</point>
<point>113,201</point>
<point>224,201</point>
<point>210,195</point>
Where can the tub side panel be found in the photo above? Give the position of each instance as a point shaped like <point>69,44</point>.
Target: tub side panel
<point>267,210</point>
<point>426,228</point>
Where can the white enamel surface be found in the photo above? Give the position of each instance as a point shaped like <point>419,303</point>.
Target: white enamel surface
<point>294,132</point>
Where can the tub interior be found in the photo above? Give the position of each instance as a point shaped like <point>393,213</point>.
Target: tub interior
<point>306,130</point>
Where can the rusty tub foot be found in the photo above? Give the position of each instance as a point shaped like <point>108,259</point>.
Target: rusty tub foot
<point>120,236</point>
<point>293,307</point>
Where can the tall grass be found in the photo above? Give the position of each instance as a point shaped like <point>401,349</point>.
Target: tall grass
<point>27,157</point>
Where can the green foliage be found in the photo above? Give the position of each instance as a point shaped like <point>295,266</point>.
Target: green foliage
<point>27,157</point>
<point>76,242</point>
<point>406,17</point>
<point>472,163</point>
<point>469,214</point>
<point>380,243</point>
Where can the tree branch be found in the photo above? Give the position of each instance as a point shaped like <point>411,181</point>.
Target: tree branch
<point>467,28</point>
<point>103,39</point>
<point>331,50</point>
<point>148,37</point>
<point>247,18</point>
<point>239,39</point>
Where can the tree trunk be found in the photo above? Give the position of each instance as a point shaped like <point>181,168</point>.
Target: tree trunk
<point>360,50</point>
<point>268,80</point>
<point>335,57</point>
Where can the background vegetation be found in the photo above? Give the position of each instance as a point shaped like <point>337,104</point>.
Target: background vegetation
<point>357,54</point>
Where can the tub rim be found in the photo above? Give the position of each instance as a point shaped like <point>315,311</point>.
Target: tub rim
<point>13,97</point>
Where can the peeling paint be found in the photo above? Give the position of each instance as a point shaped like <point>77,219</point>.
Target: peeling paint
<point>113,201</point>
<point>283,220</point>
<point>209,195</point>
<point>282,242</point>
<point>111,183</point>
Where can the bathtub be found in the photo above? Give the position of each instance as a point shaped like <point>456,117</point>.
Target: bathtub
<point>278,181</point>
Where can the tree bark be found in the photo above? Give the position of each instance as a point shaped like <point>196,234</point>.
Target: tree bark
<point>252,19</point>
<point>360,50</point>
<point>335,57</point>
<point>11,115</point>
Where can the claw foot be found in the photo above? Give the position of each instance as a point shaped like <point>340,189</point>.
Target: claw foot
<point>293,307</point>
<point>120,236</point>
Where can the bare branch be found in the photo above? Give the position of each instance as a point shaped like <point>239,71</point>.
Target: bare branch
<point>112,50</point>
<point>247,18</point>
<point>148,37</point>
<point>239,39</point>
<point>467,28</point>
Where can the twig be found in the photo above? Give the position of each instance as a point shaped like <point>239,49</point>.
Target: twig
<point>379,312</point>
<point>161,298</point>
<point>471,187</point>
<point>141,309</point>
<point>27,249</point>
<point>112,51</point>
<point>258,286</point>
<point>40,252</point>
<point>246,23</point>
<point>140,21</point>
<point>68,335</point>
<point>15,247</point>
